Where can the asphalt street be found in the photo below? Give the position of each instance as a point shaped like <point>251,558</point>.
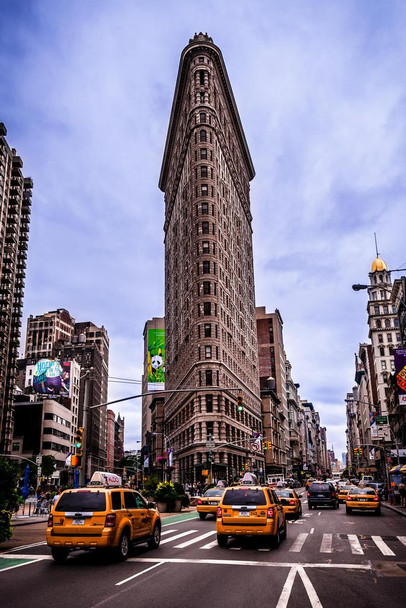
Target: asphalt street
<point>328,559</point>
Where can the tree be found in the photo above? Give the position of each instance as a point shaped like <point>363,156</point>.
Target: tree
<point>48,466</point>
<point>9,497</point>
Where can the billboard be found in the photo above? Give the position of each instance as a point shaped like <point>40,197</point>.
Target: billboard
<point>50,377</point>
<point>400,370</point>
<point>156,360</point>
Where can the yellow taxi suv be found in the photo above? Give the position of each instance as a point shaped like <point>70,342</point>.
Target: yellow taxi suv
<point>102,515</point>
<point>209,502</point>
<point>290,502</point>
<point>250,510</point>
<point>366,499</point>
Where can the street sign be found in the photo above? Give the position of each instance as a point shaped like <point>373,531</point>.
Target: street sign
<point>38,459</point>
<point>381,420</point>
<point>39,472</point>
<point>210,444</point>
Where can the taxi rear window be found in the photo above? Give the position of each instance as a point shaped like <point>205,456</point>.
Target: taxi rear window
<point>244,497</point>
<point>82,501</point>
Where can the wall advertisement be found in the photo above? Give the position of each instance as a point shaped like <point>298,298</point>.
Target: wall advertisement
<point>400,370</point>
<point>156,360</point>
<point>50,378</point>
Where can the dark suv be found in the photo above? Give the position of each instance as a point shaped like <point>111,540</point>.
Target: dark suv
<point>322,493</point>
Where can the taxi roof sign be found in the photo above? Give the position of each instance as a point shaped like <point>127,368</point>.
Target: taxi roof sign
<point>249,479</point>
<point>105,478</point>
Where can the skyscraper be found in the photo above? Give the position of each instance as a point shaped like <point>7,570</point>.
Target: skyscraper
<point>211,342</point>
<point>15,209</point>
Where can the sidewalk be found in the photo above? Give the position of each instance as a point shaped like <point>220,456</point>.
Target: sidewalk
<point>394,508</point>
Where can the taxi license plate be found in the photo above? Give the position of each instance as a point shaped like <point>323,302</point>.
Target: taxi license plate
<point>212,502</point>
<point>244,514</point>
<point>78,522</point>
<point>363,499</point>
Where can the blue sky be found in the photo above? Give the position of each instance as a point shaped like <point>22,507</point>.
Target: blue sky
<point>86,94</point>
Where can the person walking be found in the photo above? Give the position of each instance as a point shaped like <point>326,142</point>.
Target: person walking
<point>402,492</point>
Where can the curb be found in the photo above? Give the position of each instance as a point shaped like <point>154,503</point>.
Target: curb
<point>26,522</point>
<point>394,509</point>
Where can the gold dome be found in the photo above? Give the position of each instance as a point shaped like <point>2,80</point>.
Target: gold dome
<point>378,265</point>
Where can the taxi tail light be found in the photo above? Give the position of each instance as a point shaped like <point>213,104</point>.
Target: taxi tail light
<point>218,513</point>
<point>110,520</point>
<point>199,502</point>
<point>376,498</point>
<point>270,513</point>
<point>308,495</point>
<point>50,520</point>
<point>292,503</point>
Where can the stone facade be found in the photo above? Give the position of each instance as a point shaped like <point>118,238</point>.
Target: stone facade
<point>209,281</point>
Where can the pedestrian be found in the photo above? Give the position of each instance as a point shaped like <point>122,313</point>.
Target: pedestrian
<point>402,492</point>
<point>56,496</point>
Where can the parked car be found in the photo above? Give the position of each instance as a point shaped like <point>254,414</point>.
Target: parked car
<point>250,510</point>
<point>321,494</point>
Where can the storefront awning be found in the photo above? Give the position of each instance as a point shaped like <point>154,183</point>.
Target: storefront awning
<point>396,469</point>
<point>403,469</point>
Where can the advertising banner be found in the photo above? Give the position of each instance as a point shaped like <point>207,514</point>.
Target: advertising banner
<point>156,360</point>
<point>400,369</point>
<point>50,378</point>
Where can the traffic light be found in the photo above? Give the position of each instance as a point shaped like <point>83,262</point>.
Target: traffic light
<point>265,446</point>
<point>243,467</point>
<point>79,440</point>
<point>360,451</point>
<point>76,461</point>
<point>269,445</point>
<point>240,405</point>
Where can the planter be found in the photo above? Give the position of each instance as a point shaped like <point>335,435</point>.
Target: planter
<point>178,506</point>
<point>162,507</point>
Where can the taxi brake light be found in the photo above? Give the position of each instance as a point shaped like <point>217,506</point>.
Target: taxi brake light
<point>270,513</point>
<point>50,520</point>
<point>218,513</point>
<point>110,520</point>
<point>376,498</point>
<point>199,502</point>
<point>292,502</point>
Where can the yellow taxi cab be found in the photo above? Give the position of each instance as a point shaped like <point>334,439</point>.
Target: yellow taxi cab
<point>342,492</point>
<point>209,502</point>
<point>103,515</point>
<point>290,501</point>
<point>308,482</point>
<point>366,499</point>
<point>249,509</point>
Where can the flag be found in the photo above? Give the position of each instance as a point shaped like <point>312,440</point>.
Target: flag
<point>170,457</point>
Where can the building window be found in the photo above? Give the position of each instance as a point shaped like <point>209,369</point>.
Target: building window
<point>382,351</point>
<point>207,352</point>
<point>202,118</point>
<point>203,171</point>
<point>205,227</point>
<point>201,76</point>
<point>203,153</point>
<point>376,310</point>
<point>209,403</point>
<point>207,330</point>
<point>389,337</point>
<point>201,59</point>
<point>209,377</point>
<point>201,98</point>
<point>378,323</point>
<point>207,309</point>
<point>387,323</point>
<point>206,247</point>
<point>206,267</point>
<point>380,338</point>
<point>203,135</point>
<point>205,190</point>
<point>206,287</point>
<point>383,366</point>
<point>385,309</point>
<point>205,208</point>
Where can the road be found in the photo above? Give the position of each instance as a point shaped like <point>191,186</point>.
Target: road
<point>328,559</point>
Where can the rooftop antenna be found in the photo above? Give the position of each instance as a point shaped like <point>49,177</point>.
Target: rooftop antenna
<point>376,246</point>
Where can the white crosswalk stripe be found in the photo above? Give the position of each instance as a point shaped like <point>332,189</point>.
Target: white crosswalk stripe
<point>355,545</point>
<point>169,540</point>
<point>402,540</point>
<point>299,542</point>
<point>327,544</point>
<point>195,540</point>
<point>382,546</point>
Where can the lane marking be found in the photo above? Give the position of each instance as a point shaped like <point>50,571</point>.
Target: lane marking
<point>238,562</point>
<point>130,578</point>
<point>311,531</point>
<point>167,532</point>
<point>383,547</point>
<point>355,545</point>
<point>402,539</point>
<point>169,540</point>
<point>195,540</point>
<point>287,588</point>
<point>210,545</point>
<point>43,542</point>
<point>299,542</point>
<point>311,591</point>
<point>326,544</point>
<point>319,513</point>
<point>13,560</point>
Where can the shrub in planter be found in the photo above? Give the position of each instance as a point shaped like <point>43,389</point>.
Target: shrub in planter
<point>166,493</point>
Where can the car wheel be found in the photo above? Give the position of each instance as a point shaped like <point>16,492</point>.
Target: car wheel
<point>378,511</point>
<point>155,539</point>
<point>309,506</point>
<point>59,554</point>
<point>123,547</point>
<point>284,534</point>
<point>202,515</point>
<point>222,540</point>
<point>276,540</point>
<point>348,510</point>
<point>334,505</point>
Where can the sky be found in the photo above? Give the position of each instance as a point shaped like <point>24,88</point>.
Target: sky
<point>86,92</point>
